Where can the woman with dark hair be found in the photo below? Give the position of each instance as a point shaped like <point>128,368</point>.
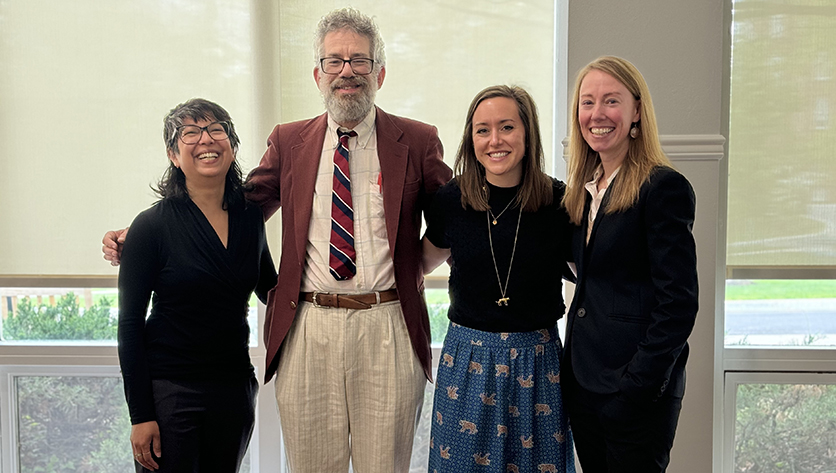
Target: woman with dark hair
<point>197,255</point>
<point>636,297</point>
<point>498,400</point>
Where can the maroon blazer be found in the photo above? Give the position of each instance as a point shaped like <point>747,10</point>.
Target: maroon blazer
<point>411,165</point>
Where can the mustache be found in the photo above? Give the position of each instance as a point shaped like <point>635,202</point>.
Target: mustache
<point>352,82</point>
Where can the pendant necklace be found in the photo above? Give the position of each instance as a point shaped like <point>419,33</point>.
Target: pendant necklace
<point>496,217</point>
<point>503,301</point>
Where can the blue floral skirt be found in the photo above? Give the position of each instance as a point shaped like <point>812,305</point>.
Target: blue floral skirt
<point>497,404</point>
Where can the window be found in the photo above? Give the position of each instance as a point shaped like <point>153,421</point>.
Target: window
<point>781,249</point>
<point>781,423</point>
<point>780,292</point>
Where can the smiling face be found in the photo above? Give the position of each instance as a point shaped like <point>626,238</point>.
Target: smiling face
<point>348,97</point>
<point>499,140</point>
<point>206,161</point>
<point>606,110</point>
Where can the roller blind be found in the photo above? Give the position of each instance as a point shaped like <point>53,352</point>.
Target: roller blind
<point>782,168</point>
<point>84,86</point>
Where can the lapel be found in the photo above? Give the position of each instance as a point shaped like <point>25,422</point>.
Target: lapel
<point>304,163</point>
<point>393,157</point>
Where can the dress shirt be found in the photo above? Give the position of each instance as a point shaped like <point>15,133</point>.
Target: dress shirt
<point>597,196</point>
<point>375,269</point>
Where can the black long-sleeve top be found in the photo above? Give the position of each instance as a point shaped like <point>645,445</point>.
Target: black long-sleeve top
<point>542,250</point>
<point>199,292</point>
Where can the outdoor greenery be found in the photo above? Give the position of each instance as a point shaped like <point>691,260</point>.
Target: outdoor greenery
<point>65,320</point>
<point>763,289</point>
<point>73,424</point>
<point>438,301</point>
<point>785,429</point>
<point>69,424</point>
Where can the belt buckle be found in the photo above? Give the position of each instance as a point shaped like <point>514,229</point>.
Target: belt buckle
<point>317,304</point>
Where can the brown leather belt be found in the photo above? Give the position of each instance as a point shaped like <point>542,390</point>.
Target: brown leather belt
<point>349,301</point>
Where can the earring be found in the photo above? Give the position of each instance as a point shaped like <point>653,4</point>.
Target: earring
<point>634,131</point>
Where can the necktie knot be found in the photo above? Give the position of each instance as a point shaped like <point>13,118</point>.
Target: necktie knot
<point>345,135</point>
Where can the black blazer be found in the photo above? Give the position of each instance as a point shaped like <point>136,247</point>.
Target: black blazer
<point>636,297</point>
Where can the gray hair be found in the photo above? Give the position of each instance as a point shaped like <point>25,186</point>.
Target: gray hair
<point>357,22</point>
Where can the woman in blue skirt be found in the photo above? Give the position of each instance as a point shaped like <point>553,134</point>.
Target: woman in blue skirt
<point>497,404</point>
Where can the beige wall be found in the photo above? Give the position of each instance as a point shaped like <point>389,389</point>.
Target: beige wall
<point>678,45</point>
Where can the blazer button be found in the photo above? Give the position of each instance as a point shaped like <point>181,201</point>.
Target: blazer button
<point>581,312</point>
<point>662,388</point>
<point>292,304</point>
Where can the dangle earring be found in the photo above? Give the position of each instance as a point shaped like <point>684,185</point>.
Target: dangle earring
<point>634,130</point>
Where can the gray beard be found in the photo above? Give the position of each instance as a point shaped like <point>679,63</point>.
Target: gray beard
<point>349,109</point>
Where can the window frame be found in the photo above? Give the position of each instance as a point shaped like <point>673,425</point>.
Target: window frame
<point>735,365</point>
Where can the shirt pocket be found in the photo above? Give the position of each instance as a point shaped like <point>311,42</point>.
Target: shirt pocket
<point>378,219</point>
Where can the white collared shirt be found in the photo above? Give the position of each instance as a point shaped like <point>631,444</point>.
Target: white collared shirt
<point>597,196</point>
<point>375,269</point>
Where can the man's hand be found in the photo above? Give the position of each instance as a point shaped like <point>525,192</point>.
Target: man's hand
<point>144,437</point>
<point>112,245</point>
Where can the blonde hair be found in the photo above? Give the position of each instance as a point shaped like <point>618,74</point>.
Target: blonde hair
<point>536,189</point>
<point>643,154</point>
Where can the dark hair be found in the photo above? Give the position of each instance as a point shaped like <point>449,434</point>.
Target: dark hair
<point>173,181</point>
<point>536,190</point>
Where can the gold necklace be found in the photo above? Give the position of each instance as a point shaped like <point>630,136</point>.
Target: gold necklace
<point>503,301</point>
<point>496,217</point>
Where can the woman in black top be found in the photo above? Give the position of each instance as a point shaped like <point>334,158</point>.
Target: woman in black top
<point>197,255</point>
<point>497,404</point>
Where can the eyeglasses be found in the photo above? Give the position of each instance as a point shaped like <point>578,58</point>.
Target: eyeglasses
<point>334,65</point>
<point>190,134</point>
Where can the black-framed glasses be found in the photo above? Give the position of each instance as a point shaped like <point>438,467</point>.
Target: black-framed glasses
<point>334,65</point>
<point>190,134</point>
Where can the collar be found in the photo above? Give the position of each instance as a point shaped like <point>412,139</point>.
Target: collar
<point>365,130</point>
<point>592,186</point>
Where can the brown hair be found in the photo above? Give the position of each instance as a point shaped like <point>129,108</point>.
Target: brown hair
<point>536,190</point>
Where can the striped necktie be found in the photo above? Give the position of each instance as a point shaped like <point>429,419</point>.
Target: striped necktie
<point>342,256</point>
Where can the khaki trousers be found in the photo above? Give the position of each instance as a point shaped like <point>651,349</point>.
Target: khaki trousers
<point>349,386</point>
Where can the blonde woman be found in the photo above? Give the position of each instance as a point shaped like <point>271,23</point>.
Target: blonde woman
<point>636,297</point>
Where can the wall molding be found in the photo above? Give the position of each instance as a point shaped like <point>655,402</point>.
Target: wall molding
<point>684,147</point>
<point>694,147</point>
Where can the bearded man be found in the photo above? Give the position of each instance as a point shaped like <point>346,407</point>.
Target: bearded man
<point>346,330</point>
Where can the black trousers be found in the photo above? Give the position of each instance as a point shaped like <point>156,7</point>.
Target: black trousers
<point>616,435</point>
<point>205,426</point>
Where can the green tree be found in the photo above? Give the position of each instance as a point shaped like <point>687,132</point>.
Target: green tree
<point>69,424</point>
<point>785,429</point>
<point>65,320</point>
<point>73,424</point>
